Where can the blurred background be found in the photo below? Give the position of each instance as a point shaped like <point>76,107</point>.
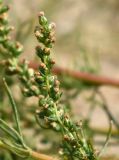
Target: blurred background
<point>92,25</point>
<point>86,29</point>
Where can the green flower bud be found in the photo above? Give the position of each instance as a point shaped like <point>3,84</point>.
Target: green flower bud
<point>4,9</point>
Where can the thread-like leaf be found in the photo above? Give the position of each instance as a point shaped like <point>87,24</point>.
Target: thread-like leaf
<point>15,111</point>
<point>9,131</point>
<point>23,153</point>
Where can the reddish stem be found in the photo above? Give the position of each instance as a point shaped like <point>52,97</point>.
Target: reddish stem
<point>85,77</point>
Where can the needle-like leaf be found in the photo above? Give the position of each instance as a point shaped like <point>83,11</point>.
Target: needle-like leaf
<point>15,111</point>
<point>9,131</point>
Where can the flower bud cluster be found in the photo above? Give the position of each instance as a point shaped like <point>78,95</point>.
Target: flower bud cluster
<point>9,48</point>
<point>45,86</point>
<point>48,84</point>
<point>13,50</point>
<point>50,114</point>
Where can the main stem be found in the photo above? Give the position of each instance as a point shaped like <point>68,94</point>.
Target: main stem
<point>39,156</point>
<point>34,155</point>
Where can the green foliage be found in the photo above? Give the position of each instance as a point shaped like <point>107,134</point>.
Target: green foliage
<point>51,114</point>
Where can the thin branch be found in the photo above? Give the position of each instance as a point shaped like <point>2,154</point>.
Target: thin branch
<point>107,140</point>
<point>109,114</point>
<point>104,131</point>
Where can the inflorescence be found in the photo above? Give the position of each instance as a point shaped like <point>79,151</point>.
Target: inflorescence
<point>42,84</point>
<point>74,144</point>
